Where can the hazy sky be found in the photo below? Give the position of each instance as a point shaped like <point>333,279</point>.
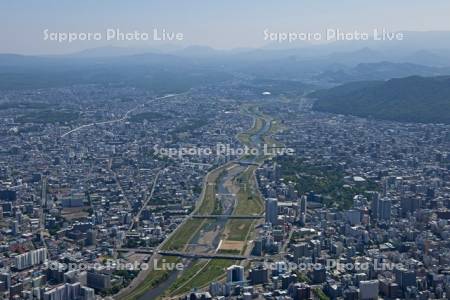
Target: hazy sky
<point>220,24</point>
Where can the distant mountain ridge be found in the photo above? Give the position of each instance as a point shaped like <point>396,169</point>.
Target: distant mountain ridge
<point>379,71</point>
<point>410,99</point>
<point>323,65</point>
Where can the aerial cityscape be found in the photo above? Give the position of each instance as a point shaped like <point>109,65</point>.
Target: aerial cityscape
<point>147,155</point>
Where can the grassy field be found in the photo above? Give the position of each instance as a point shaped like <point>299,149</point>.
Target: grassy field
<point>237,229</point>
<point>154,278</point>
<point>208,204</point>
<point>275,126</point>
<point>183,235</point>
<point>245,137</point>
<point>200,275</point>
<point>249,202</point>
<point>182,283</point>
<point>259,122</point>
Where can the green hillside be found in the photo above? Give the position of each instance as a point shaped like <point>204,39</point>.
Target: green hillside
<point>410,99</point>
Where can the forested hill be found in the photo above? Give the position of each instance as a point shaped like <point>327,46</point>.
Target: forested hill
<point>410,99</point>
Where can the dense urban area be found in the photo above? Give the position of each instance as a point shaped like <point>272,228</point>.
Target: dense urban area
<point>224,191</point>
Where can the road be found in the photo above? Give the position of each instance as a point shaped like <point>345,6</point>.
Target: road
<point>228,217</point>
<point>144,205</point>
<point>121,119</point>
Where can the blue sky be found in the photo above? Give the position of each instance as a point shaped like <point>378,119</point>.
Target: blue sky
<point>220,24</point>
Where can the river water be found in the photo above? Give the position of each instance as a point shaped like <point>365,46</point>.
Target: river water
<point>256,140</point>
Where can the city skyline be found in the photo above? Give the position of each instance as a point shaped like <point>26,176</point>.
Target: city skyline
<point>209,150</point>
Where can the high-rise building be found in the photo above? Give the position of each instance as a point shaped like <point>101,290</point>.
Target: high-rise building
<point>300,291</point>
<point>5,280</point>
<point>44,192</point>
<point>303,204</point>
<point>381,208</point>
<point>216,289</point>
<point>410,205</point>
<point>15,227</point>
<point>353,217</point>
<point>384,212</point>
<point>272,211</point>
<point>368,290</point>
<point>8,195</point>
<point>87,293</point>
<point>405,278</point>
<point>98,280</point>
<point>68,291</point>
<point>374,198</point>
<point>30,258</point>
<point>257,247</point>
<point>235,273</point>
<point>300,251</point>
<point>91,237</point>
<point>259,275</point>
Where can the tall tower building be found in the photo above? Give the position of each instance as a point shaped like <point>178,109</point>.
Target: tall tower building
<point>303,203</point>
<point>381,208</point>
<point>271,211</point>
<point>384,212</point>
<point>375,198</point>
<point>235,273</point>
